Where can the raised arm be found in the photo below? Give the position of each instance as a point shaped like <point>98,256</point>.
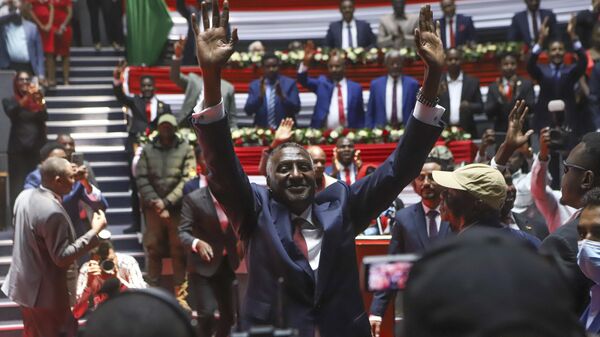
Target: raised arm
<point>226,179</point>
<point>305,81</point>
<point>532,66</point>
<point>582,60</point>
<point>118,85</point>
<point>175,74</point>
<point>374,193</point>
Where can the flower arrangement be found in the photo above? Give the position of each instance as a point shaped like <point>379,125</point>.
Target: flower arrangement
<point>184,133</point>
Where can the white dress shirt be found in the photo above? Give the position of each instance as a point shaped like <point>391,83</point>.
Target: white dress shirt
<point>438,217</point>
<point>352,170</point>
<point>345,42</point>
<point>333,118</point>
<point>389,87</point>
<point>455,94</point>
<point>447,29</point>
<point>16,45</point>
<point>538,19</point>
<point>313,235</point>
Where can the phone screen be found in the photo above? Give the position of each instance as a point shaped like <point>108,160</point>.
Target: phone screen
<point>77,158</point>
<point>388,272</point>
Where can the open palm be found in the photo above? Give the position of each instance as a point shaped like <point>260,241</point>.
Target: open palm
<point>427,39</point>
<point>212,47</point>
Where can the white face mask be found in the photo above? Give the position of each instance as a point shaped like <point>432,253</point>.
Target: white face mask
<point>588,259</point>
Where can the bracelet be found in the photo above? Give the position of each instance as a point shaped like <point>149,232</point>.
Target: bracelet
<point>427,102</point>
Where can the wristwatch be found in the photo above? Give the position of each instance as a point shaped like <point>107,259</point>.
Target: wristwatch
<point>427,102</point>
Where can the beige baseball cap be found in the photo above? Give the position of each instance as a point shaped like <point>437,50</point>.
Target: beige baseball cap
<point>167,118</point>
<point>480,180</point>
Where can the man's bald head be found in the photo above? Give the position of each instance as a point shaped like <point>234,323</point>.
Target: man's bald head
<point>57,175</point>
<point>319,159</point>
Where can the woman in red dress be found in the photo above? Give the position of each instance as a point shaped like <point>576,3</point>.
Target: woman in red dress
<point>53,18</point>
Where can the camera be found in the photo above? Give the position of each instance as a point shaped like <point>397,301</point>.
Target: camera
<point>387,272</point>
<point>107,266</point>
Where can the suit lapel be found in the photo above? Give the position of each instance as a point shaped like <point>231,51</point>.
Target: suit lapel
<point>444,229</point>
<point>283,225</point>
<point>211,211</point>
<point>419,217</point>
<point>331,222</point>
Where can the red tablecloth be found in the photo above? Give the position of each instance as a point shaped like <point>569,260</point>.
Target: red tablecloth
<point>370,153</point>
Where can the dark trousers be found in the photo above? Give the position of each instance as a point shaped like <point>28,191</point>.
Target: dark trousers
<point>112,12</point>
<point>212,293</point>
<point>46,322</point>
<point>22,66</point>
<point>19,166</point>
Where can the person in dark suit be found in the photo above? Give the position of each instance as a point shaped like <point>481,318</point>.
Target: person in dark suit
<point>525,28</point>
<point>582,169</point>
<point>212,258</point>
<point>272,97</point>
<point>505,91</point>
<point>289,231</point>
<point>200,180</point>
<point>416,228</point>
<point>586,20</point>
<point>339,100</point>
<point>594,97</point>
<point>460,94</point>
<point>349,32</point>
<point>557,82</point>
<point>346,161</point>
<point>393,96</point>
<point>456,29</point>
<point>45,246</point>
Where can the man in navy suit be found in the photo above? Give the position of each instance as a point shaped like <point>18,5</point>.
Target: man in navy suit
<point>273,97</point>
<point>392,97</point>
<point>455,29</point>
<point>526,25</point>
<point>339,100</point>
<point>417,228</point>
<point>557,82</point>
<point>289,231</point>
<point>348,32</point>
<point>346,161</point>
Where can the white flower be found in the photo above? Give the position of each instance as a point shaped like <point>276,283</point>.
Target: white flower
<point>467,136</point>
<point>378,132</point>
<point>245,57</point>
<point>284,57</point>
<point>351,136</point>
<point>260,131</point>
<point>445,134</point>
<point>318,57</point>
<point>363,134</point>
<point>236,133</point>
<point>235,57</point>
<point>334,134</point>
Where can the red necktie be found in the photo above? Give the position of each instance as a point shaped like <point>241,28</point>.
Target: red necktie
<point>348,180</point>
<point>509,92</point>
<point>452,37</point>
<point>223,221</point>
<point>148,116</point>
<point>298,237</point>
<point>394,118</point>
<point>341,115</point>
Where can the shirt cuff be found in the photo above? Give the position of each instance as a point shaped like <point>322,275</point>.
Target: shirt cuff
<point>497,166</point>
<point>429,115</point>
<point>194,244</point>
<point>95,195</point>
<point>208,115</point>
<point>373,318</point>
<point>577,45</point>
<point>536,49</point>
<point>302,68</point>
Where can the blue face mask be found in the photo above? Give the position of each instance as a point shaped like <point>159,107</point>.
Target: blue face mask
<point>588,259</point>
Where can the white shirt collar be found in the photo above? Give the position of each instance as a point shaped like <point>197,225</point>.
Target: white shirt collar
<point>351,23</point>
<point>306,215</point>
<point>458,79</point>
<point>427,209</point>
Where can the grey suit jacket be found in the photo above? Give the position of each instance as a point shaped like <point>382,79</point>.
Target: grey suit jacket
<point>199,220</point>
<point>44,247</point>
<point>193,88</point>
<point>394,33</point>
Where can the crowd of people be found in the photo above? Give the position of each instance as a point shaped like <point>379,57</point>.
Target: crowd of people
<point>527,204</point>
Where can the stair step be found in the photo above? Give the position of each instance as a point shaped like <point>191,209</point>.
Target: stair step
<point>91,71</point>
<point>107,127</point>
<point>86,139</point>
<point>79,89</point>
<point>82,102</point>
<point>90,51</point>
<point>106,61</point>
<point>118,199</point>
<point>9,311</point>
<point>116,168</point>
<point>113,185</point>
<point>87,113</point>
<point>104,153</point>
<point>92,79</point>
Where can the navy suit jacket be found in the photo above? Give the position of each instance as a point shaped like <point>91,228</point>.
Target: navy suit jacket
<point>519,27</point>
<point>330,299</point>
<point>561,88</point>
<point>409,236</point>
<point>322,86</point>
<point>257,106</point>
<point>364,34</point>
<point>376,113</point>
<point>465,30</point>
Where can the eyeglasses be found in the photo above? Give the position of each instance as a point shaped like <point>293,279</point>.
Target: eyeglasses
<point>568,166</point>
<point>23,79</point>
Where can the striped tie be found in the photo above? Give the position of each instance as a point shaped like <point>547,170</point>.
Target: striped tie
<point>271,108</point>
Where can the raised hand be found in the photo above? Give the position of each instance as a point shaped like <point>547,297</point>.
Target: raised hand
<point>544,144</point>
<point>309,52</point>
<point>119,69</point>
<point>516,119</point>
<point>178,47</point>
<point>212,47</point>
<point>283,134</point>
<point>571,28</point>
<point>544,32</point>
<point>357,159</point>
<point>427,40</point>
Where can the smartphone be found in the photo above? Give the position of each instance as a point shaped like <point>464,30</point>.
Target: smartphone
<point>386,272</point>
<point>77,158</point>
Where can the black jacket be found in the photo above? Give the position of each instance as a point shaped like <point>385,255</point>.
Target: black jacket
<point>470,93</point>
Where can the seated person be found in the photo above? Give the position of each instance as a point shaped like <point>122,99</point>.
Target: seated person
<point>526,25</point>
<point>348,32</point>
<point>339,100</point>
<point>272,97</point>
<point>396,30</point>
<point>460,94</point>
<point>393,96</point>
<point>105,264</point>
<point>455,29</point>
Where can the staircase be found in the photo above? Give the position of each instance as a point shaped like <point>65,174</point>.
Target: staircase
<point>88,110</point>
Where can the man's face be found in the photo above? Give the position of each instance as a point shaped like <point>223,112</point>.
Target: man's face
<point>398,6</point>
<point>516,161</point>
<point>345,151</point>
<point>557,52</point>
<point>23,82</point>
<point>455,204</point>
<point>147,87</point>
<point>336,68</point>
<point>511,195</point>
<point>508,66</point>
<point>532,5</point>
<point>68,143</point>
<point>65,181</point>
<point>319,159</point>
<point>271,69</point>
<point>347,10</point>
<point>570,186</point>
<point>394,65</point>
<point>589,223</point>
<point>292,178</point>
<point>448,7</point>
<point>453,60</point>
<point>166,132</point>
<point>424,185</point>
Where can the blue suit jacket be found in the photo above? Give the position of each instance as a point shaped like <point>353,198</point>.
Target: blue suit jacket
<point>322,86</point>
<point>364,34</point>
<point>409,236</point>
<point>257,106</point>
<point>34,46</point>
<point>330,300</point>
<point>519,26</point>
<point>465,30</point>
<point>376,114</point>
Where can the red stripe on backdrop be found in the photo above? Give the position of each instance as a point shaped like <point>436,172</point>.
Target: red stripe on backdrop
<point>288,5</point>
